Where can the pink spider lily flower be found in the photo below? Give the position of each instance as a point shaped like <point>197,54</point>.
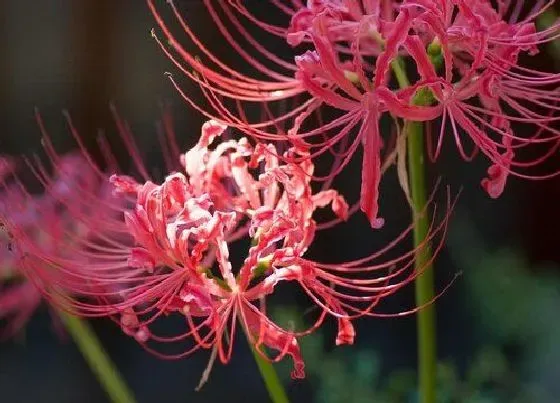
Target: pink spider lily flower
<point>178,234</point>
<point>212,89</point>
<point>18,297</point>
<point>76,206</point>
<point>480,92</point>
<point>174,238</point>
<point>166,253</point>
<point>483,88</point>
<point>347,87</point>
<point>476,44</point>
<point>24,213</point>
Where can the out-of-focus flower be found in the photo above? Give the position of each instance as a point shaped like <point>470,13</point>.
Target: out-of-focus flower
<point>46,221</point>
<point>17,300</point>
<point>67,212</point>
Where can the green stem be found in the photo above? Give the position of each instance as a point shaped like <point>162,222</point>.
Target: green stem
<point>424,283</point>
<point>426,322</point>
<point>97,359</point>
<point>271,380</point>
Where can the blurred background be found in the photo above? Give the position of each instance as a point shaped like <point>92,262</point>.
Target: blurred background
<point>498,328</point>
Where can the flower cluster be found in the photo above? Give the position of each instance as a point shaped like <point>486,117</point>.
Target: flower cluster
<point>463,57</point>
<point>140,251</point>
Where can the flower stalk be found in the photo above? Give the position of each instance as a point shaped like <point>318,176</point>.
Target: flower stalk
<point>98,360</point>
<point>270,377</point>
<point>426,322</point>
<point>424,283</point>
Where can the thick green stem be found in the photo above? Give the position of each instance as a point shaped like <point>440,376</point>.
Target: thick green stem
<point>97,359</point>
<point>271,380</point>
<point>424,283</point>
<point>426,320</point>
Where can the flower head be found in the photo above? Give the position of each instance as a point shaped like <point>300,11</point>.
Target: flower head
<point>163,250</point>
<point>44,221</point>
<point>469,81</point>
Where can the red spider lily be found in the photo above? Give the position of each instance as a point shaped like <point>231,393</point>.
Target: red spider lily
<point>163,250</point>
<point>51,211</point>
<point>484,90</point>
<point>214,81</point>
<point>76,206</point>
<point>178,232</point>
<point>19,300</point>
<point>481,89</point>
<point>480,52</point>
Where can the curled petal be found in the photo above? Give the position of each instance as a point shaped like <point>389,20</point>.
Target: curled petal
<point>264,332</point>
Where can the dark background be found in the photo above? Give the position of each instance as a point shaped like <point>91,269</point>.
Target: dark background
<point>82,55</point>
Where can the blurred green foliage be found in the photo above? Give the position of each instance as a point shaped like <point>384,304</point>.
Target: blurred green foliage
<point>546,20</point>
<point>513,309</point>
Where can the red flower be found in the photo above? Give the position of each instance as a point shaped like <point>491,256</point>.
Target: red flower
<point>18,297</point>
<point>163,250</point>
<point>469,74</point>
<point>38,225</point>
